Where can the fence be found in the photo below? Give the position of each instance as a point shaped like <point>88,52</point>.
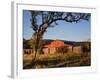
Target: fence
<point>75,49</point>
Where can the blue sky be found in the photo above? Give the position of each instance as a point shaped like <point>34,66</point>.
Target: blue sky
<point>65,31</point>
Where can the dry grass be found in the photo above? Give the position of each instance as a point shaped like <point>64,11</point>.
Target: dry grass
<point>58,60</point>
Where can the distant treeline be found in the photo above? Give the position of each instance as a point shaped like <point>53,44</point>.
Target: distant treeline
<point>27,44</point>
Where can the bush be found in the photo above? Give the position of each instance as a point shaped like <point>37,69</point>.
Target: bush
<point>86,47</point>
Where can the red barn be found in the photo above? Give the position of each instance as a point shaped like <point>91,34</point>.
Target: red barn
<point>51,48</point>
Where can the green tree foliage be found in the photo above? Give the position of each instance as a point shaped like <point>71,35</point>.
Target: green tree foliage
<point>26,44</point>
<point>86,47</point>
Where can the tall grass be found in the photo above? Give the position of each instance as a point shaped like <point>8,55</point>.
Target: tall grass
<point>55,60</point>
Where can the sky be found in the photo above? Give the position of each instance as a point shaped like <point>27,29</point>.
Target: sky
<point>80,31</point>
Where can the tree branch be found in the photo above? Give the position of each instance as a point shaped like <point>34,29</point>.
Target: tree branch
<point>73,19</point>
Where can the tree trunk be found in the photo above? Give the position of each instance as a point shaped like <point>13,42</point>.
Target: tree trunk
<point>37,38</point>
<point>37,46</point>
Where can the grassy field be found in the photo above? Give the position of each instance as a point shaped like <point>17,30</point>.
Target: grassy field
<point>57,60</point>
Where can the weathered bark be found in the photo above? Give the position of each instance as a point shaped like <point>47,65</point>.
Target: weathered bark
<point>38,38</point>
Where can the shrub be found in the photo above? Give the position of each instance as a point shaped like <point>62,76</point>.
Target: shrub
<point>86,47</point>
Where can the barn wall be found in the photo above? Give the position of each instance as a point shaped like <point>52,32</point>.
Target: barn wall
<point>77,49</point>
